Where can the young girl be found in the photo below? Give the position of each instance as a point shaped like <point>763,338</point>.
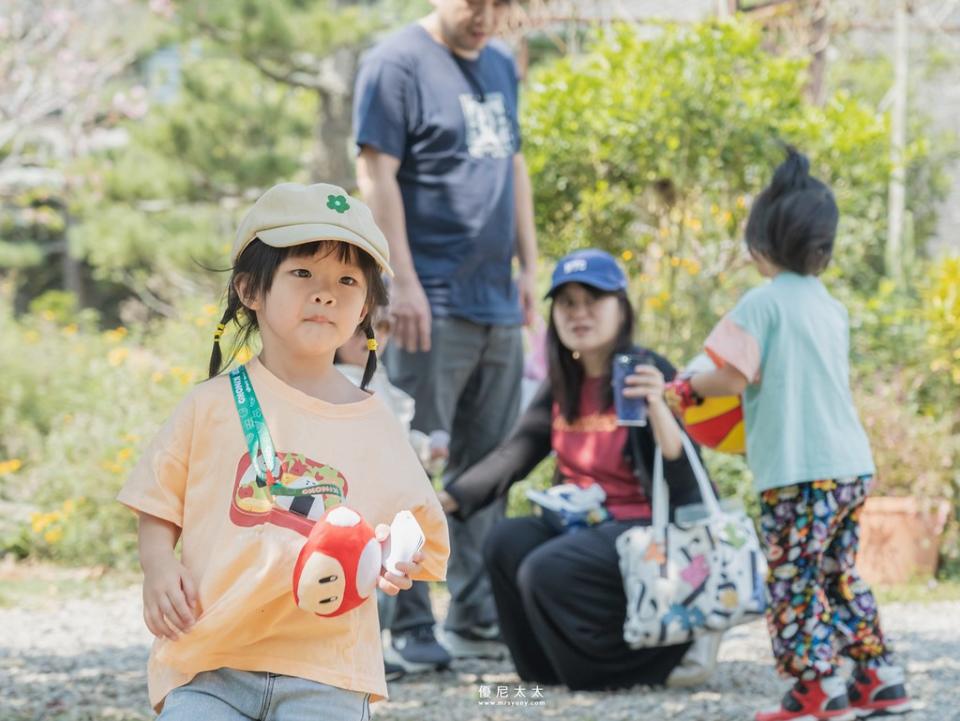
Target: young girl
<point>232,642</point>
<point>784,347</point>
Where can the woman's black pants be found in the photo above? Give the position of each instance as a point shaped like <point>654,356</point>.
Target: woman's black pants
<point>561,606</point>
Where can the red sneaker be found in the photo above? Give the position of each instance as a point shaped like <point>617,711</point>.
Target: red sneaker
<point>820,700</point>
<point>878,692</point>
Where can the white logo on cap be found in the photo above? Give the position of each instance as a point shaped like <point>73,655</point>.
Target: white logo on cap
<point>574,266</point>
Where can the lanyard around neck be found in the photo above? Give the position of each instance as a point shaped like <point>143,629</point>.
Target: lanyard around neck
<point>263,456</point>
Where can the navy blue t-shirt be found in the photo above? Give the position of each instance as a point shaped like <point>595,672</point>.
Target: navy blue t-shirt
<point>453,124</point>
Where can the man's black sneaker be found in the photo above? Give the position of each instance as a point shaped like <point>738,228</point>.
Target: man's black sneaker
<point>416,650</point>
<point>476,642</point>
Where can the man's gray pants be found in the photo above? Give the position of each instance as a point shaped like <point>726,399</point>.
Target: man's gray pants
<point>468,384</point>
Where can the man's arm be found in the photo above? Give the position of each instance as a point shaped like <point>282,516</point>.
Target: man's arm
<point>377,180</point>
<point>526,237</point>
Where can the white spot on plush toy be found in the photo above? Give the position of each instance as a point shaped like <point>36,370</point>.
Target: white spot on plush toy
<point>343,516</point>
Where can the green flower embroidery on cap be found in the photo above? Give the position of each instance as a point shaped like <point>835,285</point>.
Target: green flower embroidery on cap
<point>338,203</point>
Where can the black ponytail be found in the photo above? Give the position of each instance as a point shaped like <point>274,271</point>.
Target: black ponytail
<point>371,366</point>
<point>235,309</point>
<point>793,222</point>
<point>792,175</point>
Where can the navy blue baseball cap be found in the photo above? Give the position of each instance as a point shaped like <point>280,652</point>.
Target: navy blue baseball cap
<point>592,267</point>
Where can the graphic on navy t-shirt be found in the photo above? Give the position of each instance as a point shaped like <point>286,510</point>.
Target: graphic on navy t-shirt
<point>488,127</point>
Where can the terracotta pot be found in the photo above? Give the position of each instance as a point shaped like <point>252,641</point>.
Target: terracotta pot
<point>900,538</point>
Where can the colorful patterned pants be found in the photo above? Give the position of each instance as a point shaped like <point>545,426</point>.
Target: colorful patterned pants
<point>819,607</point>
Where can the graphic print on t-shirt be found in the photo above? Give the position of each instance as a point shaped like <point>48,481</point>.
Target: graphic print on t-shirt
<point>302,492</point>
<point>488,127</point>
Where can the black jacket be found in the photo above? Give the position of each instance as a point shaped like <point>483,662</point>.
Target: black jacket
<point>529,443</point>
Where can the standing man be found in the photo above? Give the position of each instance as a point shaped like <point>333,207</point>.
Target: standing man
<point>435,117</point>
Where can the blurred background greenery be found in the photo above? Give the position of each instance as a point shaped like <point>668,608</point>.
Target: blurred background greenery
<point>144,129</point>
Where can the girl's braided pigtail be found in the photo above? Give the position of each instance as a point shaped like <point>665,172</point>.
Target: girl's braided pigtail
<point>230,314</point>
<point>371,366</point>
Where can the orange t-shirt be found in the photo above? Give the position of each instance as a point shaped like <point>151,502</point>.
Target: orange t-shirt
<point>241,557</point>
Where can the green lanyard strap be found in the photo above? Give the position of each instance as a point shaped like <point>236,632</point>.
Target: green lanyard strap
<point>263,456</point>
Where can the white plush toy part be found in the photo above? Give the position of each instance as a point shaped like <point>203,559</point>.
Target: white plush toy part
<point>406,538</point>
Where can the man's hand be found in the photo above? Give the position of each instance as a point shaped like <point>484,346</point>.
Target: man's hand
<point>169,598</point>
<point>411,314</point>
<point>527,288</point>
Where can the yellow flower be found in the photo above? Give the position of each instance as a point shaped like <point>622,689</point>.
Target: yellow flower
<point>210,309</point>
<point>653,303</point>
<point>116,335</point>
<point>183,375</point>
<point>627,255</point>
<point>675,262</point>
<point>70,329</point>
<point>124,453</point>
<point>112,466</point>
<point>38,521</point>
<point>11,466</point>
<point>117,356</point>
<point>53,535</point>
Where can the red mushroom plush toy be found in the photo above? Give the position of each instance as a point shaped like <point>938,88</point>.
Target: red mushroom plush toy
<point>338,565</point>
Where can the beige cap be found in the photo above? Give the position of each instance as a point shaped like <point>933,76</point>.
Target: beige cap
<point>292,214</point>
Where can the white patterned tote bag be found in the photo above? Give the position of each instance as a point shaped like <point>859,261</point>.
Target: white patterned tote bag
<point>682,580</point>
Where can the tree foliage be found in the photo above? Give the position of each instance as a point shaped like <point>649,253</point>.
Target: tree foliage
<point>652,147</point>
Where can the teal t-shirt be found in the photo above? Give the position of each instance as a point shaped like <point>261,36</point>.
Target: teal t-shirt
<point>799,416</point>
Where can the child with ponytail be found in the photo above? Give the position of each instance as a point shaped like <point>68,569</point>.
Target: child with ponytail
<point>785,347</point>
<point>248,463</point>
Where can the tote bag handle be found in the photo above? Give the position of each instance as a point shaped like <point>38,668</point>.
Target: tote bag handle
<point>661,492</point>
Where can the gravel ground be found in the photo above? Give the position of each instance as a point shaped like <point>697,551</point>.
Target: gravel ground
<point>84,659</point>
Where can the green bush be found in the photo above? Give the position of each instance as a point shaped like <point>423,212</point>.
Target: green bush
<point>77,406</point>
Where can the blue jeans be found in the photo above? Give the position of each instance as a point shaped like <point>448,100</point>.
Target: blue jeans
<point>230,695</point>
